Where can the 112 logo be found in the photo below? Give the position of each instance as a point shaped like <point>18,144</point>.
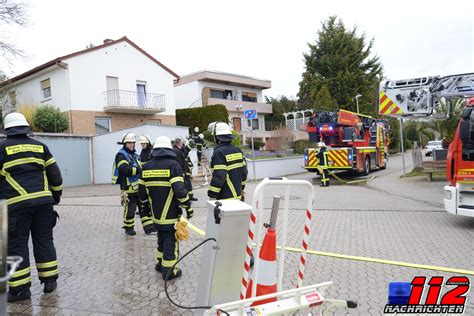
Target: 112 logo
<point>454,296</point>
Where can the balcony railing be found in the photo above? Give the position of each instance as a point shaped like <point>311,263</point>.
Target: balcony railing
<point>133,102</point>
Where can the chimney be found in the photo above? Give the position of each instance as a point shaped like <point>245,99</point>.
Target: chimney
<point>108,40</point>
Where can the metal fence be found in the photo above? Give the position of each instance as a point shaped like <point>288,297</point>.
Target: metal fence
<point>133,99</point>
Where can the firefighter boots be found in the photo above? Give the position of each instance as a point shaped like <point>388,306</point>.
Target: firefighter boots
<point>130,232</point>
<point>171,274</point>
<point>149,229</point>
<point>50,286</point>
<point>158,267</point>
<point>23,294</point>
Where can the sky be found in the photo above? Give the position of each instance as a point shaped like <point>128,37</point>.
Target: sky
<point>258,38</point>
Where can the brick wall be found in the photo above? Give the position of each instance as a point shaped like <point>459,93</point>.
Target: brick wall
<point>83,122</point>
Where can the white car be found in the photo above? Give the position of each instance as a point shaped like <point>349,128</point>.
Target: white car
<point>434,144</point>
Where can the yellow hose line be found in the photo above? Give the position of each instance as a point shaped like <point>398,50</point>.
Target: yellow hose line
<point>364,259</point>
<point>349,182</point>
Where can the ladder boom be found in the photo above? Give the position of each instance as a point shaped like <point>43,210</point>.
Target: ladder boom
<point>420,96</point>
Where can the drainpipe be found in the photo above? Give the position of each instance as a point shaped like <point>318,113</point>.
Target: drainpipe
<point>65,66</point>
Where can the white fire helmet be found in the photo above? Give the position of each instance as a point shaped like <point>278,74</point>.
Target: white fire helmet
<point>221,131</point>
<point>144,139</point>
<point>162,142</point>
<point>201,136</point>
<point>196,129</point>
<point>321,144</point>
<point>128,138</point>
<point>14,120</point>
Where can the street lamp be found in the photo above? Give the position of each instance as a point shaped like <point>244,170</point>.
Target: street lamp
<point>357,101</point>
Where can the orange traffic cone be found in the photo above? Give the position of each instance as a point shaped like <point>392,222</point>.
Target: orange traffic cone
<point>267,269</point>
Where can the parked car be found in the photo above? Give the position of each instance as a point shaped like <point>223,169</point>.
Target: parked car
<point>434,144</point>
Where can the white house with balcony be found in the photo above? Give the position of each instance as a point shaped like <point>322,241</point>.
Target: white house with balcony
<point>106,88</point>
<point>236,92</point>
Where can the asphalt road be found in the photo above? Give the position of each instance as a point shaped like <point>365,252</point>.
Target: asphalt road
<point>102,271</point>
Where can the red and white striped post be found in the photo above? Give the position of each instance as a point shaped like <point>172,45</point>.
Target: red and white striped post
<point>255,224</point>
<point>302,264</point>
<point>248,253</point>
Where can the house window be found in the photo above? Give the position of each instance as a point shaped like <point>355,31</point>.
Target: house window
<point>217,94</point>
<point>154,122</point>
<point>46,89</point>
<point>253,123</point>
<point>249,96</point>
<point>103,125</point>
<point>141,93</point>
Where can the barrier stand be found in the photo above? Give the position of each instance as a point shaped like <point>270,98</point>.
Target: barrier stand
<point>5,261</point>
<point>256,223</point>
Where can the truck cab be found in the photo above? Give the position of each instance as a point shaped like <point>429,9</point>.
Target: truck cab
<point>459,193</point>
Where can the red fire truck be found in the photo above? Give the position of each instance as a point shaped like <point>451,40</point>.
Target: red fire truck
<point>354,141</point>
<point>422,97</point>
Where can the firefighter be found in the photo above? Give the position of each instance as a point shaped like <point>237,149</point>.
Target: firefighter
<point>31,183</point>
<point>162,186</point>
<point>182,157</point>
<point>229,170</point>
<point>126,172</point>
<point>199,146</point>
<point>147,146</point>
<point>322,156</point>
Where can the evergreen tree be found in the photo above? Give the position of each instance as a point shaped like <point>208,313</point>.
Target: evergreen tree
<point>342,61</point>
<point>323,99</point>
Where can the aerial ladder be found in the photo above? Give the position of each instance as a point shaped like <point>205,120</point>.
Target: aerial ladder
<point>433,97</point>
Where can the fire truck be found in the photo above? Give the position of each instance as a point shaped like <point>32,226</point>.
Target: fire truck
<point>354,141</point>
<point>422,97</point>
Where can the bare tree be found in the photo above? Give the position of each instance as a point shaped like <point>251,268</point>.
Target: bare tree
<point>11,13</point>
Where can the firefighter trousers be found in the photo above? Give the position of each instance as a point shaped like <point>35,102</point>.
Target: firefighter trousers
<point>39,221</point>
<point>168,250</point>
<point>188,185</point>
<point>325,177</point>
<point>129,213</point>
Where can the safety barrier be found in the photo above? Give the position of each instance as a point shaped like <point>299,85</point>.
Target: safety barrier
<point>256,223</point>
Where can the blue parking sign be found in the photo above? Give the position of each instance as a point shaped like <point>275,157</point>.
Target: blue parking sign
<point>250,114</point>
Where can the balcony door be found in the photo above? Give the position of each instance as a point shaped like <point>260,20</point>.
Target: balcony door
<point>141,94</point>
<point>113,97</point>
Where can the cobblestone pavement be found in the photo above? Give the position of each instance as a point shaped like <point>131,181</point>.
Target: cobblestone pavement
<point>103,271</point>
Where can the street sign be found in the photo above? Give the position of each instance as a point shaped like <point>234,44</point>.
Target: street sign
<point>250,114</point>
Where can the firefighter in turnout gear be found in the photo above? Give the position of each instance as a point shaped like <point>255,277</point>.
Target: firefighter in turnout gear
<point>147,146</point>
<point>229,170</point>
<point>31,183</point>
<point>198,139</point>
<point>126,172</point>
<point>322,156</point>
<point>162,186</point>
<point>182,156</point>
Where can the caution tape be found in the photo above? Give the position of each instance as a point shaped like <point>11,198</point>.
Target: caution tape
<point>363,259</point>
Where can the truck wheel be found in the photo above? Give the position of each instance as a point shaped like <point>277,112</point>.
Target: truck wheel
<point>367,166</point>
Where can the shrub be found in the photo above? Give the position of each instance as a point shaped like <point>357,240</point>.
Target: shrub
<point>257,143</point>
<point>300,146</point>
<point>201,117</point>
<point>209,138</point>
<point>29,111</point>
<point>48,118</point>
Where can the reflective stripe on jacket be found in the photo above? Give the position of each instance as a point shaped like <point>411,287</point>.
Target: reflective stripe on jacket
<point>29,174</point>
<point>162,184</point>
<point>229,172</point>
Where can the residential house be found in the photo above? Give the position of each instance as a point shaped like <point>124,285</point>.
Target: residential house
<point>106,88</point>
<point>237,93</point>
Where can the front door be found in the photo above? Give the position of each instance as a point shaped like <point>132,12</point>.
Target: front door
<point>237,124</point>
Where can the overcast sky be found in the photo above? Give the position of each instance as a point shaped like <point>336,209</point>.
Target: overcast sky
<point>264,39</point>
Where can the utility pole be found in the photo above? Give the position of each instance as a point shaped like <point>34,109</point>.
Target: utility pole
<point>402,147</point>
